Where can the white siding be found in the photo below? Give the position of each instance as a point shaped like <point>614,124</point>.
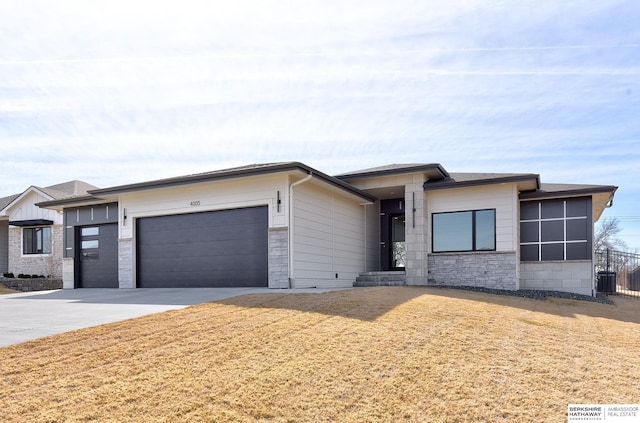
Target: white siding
<point>193,198</point>
<point>502,197</point>
<point>25,209</point>
<point>387,181</point>
<point>328,238</point>
<point>371,217</point>
<point>209,196</point>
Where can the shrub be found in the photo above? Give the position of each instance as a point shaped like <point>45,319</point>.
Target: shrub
<point>8,275</point>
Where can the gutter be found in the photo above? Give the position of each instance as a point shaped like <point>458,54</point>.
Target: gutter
<point>290,249</point>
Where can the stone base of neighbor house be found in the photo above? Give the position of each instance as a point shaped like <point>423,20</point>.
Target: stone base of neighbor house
<point>35,264</point>
<point>35,284</point>
<point>566,276</point>
<point>497,270</point>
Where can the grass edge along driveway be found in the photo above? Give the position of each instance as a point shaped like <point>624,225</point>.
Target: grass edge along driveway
<point>372,354</point>
<point>4,290</point>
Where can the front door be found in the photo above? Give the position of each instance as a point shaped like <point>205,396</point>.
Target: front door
<point>392,230</point>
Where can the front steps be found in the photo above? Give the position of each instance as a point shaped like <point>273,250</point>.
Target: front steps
<point>380,279</point>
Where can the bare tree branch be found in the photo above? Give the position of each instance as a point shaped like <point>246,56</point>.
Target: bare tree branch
<point>606,235</point>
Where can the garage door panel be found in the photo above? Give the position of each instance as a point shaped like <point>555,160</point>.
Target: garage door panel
<point>209,249</point>
<point>200,234</point>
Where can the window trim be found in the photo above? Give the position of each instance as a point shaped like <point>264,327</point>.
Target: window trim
<point>473,232</point>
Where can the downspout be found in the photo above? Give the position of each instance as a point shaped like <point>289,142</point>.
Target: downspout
<point>290,249</point>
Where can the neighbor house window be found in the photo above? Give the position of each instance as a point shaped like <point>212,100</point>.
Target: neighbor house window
<point>556,229</point>
<point>473,230</point>
<point>36,240</point>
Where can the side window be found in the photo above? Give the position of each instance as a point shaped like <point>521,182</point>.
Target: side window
<point>36,240</point>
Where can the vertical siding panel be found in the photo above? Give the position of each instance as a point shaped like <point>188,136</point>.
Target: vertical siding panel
<point>328,238</point>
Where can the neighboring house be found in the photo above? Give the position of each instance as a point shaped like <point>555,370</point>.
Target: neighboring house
<point>287,225</point>
<point>31,237</point>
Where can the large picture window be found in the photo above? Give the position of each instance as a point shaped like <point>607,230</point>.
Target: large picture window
<point>556,229</point>
<point>473,230</point>
<point>36,240</point>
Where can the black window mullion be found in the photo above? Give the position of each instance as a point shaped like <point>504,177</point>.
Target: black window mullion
<point>473,230</point>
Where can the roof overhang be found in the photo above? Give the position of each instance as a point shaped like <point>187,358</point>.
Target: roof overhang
<point>579,192</point>
<point>85,200</point>
<point>432,171</point>
<point>601,195</point>
<point>32,222</point>
<point>99,196</point>
<point>525,182</point>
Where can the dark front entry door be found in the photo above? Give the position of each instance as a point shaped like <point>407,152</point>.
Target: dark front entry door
<point>98,250</point>
<point>392,230</point>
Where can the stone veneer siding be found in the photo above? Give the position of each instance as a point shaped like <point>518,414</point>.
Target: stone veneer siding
<point>496,270</point>
<point>125,263</point>
<point>36,264</point>
<point>278,258</point>
<point>415,232</point>
<point>68,273</point>
<point>27,285</point>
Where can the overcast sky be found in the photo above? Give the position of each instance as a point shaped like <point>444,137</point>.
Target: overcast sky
<point>114,92</point>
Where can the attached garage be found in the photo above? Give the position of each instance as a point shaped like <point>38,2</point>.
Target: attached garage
<point>226,248</point>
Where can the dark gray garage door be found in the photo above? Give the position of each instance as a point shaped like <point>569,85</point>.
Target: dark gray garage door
<point>210,249</point>
<point>98,247</point>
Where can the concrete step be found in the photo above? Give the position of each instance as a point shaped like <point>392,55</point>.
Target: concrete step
<point>380,279</point>
<point>360,284</point>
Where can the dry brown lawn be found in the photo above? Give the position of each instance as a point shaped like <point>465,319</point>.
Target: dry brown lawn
<point>364,355</point>
<point>5,290</point>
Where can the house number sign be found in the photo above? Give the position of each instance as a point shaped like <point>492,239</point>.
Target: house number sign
<point>195,203</point>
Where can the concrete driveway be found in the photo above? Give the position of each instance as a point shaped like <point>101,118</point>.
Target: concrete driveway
<point>31,315</point>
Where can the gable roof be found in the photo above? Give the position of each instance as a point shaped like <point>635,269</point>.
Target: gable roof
<point>4,202</point>
<point>70,189</point>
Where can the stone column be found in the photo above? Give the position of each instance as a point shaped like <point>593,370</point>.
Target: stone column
<point>416,232</point>
<point>68,273</point>
<point>278,257</point>
<point>125,263</point>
